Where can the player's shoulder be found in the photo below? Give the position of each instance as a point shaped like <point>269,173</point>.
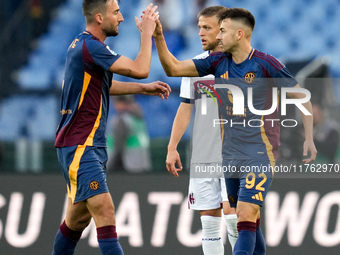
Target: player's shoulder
<point>95,45</point>
<point>91,40</point>
<point>219,54</point>
<point>218,57</point>
<point>266,60</point>
<point>216,54</point>
<point>202,55</point>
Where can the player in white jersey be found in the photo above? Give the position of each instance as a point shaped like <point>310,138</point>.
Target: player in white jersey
<point>207,193</point>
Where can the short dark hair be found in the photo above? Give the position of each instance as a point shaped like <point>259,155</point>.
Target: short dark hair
<point>90,7</point>
<point>211,11</point>
<point>239,14</point>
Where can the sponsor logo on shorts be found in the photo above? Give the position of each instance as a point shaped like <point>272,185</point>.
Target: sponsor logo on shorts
<point>258,196</point>
<point>211,239</point>
<point>94,185</point>
<point>231,199</point>
<point>191,198</point>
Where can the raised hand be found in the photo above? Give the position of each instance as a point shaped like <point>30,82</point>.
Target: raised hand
<point>148,19</point>
<point>158,30</point>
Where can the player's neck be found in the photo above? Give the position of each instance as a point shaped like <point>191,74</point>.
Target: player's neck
<point>96,32</point>
<point>217,49</point>
<point>241,54</point>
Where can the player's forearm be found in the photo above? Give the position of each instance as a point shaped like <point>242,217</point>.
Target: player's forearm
<point>143,59</point>
<point>180,125</point>
<point>123,88</point>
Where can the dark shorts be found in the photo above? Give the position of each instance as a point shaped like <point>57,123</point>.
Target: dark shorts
<point>248,180</point>
<point>84,169</point>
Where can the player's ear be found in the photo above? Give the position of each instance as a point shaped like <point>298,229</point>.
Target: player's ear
<point>98,18</point>
<point>239,34</point>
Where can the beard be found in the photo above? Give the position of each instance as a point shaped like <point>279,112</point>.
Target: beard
<point>112,31</point>
<point>211,46</point>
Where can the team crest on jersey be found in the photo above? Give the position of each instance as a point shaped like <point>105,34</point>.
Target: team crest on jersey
<point>191,198</point>
<point>94,185</point>
<point>204,86</point>
<point>249,77</point>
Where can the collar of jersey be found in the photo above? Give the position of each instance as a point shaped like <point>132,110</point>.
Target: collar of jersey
<point>245,61</point>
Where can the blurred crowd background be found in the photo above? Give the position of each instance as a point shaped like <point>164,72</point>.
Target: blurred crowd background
<point>35,35</point>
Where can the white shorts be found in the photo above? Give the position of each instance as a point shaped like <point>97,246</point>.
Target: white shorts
<point>206,193</point>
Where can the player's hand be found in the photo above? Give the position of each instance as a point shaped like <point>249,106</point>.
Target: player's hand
<point>158,30</point>
<point>309,146</point>
<point>148,19</point>
<point>157,88</point>
<point>171,159</point>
